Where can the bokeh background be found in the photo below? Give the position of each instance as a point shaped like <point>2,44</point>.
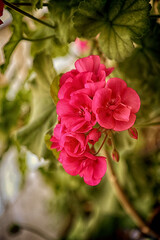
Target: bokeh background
<point>38,199</point>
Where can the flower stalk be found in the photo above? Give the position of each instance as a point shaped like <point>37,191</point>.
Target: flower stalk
<point>38,39</point>
<point>12,6</point>
<point>121,196</point>
<point>102,144</point>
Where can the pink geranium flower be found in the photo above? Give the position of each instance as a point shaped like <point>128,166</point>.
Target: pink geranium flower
<point>85,100</point>
<point>92,64</point>
<point>74,144</point>
<point>91,168</point>
<point>94,136</point>
<point>88,70</point>
<point>1,10</point>
<point>82,45</point>
<point>58,133</point>
<point>115,106</point>
<point>76,114</point>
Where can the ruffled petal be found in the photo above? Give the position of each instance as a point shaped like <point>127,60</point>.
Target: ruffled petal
<point>105,118</point>
<point>131,98</point>
<point>101,98</point>
<point>71,165</point>
<point>117,85</point>
<point>121,126</point>
<point>122,113</point>
<point>100,167</point>
<point>88,64</point>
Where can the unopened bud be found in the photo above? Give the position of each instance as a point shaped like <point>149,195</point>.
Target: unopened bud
<point>133,132</point>
<point>94,136</point>
<point>115,155</point>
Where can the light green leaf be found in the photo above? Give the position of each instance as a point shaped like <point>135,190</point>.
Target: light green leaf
<point>43,114</point>
<point>61,13</point>
<point>49,143</point>
<point>55,88</point>
<point>14,40</point>
<point>51,45</point>
<point>118,22</point>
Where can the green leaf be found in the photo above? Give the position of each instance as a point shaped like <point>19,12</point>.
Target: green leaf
<point>61,13</point>
<point>51,45</point>
<point>55,88</point>
<point>38,3</point>
<point>16,37</point>
<point>43,114</point>
<point>49,143</point>
<point>117,22</point>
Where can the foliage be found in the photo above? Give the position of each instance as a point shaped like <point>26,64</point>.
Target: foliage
<point>117,22</point>
<point>43,110</point>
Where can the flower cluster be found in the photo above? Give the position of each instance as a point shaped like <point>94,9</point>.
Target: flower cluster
<point>1,10</point>
<point>87,103</point>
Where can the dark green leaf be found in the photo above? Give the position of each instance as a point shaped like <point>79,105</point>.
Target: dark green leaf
<point>144,63</point>
<point>38,3</point>
<point>118,22</point>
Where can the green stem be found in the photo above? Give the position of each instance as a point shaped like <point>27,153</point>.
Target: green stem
<point>38,39</point>
<point>12,6</point>
<point>124,200</point>
<point>100,53</point>
<point>28,4</point>
<point>101,144</point>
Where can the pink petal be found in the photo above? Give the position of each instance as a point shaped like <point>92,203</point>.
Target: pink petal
<point>88,64</point>
<point>131,98</point>
<point>101,98</point>
<point>64,108</point>
<point>91,181</point>
<point>105,118</point>
<point>117,85</point>
<point>121,126</point>
<point>71,165</point>
<point>122,113</point>
<point>94,136</point>
<point>100,167</point>
<point>87,115</point>
<point>65,76</point>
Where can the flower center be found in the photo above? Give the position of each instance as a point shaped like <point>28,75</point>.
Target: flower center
<point>113,103</point>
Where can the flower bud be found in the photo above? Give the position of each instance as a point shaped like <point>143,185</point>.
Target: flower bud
<point>94,136</point>
<point>115,155</point>
<point>133,132</point>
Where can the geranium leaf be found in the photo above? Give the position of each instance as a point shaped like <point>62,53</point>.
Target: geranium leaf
<point>61,13</point>
<point>14,40</point>
<point>49,143</point>
<point>117,22</point>
<point>43,114</point>
<point>55,88</point>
